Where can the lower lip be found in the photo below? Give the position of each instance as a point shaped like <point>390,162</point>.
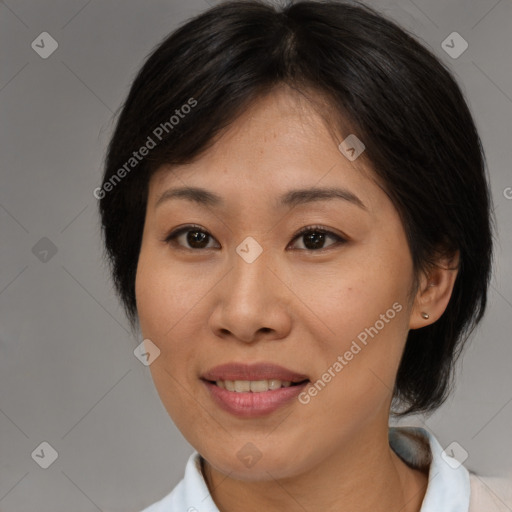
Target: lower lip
<point>251,405</point>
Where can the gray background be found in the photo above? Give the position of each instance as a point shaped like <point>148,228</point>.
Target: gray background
<point>68,375</point>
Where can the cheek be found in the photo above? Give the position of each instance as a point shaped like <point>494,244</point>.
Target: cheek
<point>165,301</point>
<point>165,295</point>
<point>347,300</point>
<point>165,305</point>
<point>362,313</point>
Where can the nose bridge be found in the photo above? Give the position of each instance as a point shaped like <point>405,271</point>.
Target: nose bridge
<point>250,274</point>
<point>249,305</point>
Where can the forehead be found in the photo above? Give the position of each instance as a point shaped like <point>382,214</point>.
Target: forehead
<point>280,142</point>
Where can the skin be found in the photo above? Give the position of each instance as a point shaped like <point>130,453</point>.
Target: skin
<point>294,307</point>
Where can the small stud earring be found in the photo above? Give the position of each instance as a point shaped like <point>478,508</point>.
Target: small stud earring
<point>426,316</point>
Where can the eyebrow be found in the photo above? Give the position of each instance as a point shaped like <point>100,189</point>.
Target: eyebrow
<point>291,198</point>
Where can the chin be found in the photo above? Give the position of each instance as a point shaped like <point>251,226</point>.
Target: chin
<point>251,465</point>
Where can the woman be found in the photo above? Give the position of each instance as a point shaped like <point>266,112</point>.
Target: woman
<point>297,214</point>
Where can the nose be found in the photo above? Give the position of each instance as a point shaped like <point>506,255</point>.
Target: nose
<point>252,303</point>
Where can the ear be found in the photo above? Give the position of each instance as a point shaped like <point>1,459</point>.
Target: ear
<point>434,291</point>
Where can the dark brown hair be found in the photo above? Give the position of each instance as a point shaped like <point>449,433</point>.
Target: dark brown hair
<point>400,100</point>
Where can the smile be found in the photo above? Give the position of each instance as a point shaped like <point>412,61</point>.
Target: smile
<point>253,390</point>
<point>254,386</point>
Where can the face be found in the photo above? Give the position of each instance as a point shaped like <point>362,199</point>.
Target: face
<point>232,291</point>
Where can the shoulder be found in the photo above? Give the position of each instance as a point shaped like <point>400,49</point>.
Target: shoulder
<point>490,494</point>
<point>190,495</point>
<point>451,486</point>
<point>171,501</point>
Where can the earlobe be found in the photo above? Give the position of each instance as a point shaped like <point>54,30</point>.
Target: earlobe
<point>434,292</point>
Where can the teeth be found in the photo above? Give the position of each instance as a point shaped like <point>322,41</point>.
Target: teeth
<point>274,384</point>
<point>242,386</point>
<point>256,386</point>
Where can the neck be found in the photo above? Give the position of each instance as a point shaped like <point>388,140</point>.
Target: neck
<point>366,475</point>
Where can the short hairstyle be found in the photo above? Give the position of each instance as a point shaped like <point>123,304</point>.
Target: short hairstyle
<point>379,83</point>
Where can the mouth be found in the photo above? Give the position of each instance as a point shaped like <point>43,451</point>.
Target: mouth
<point>255,386</point>
<point>255,373</point>
<point>254,390</point>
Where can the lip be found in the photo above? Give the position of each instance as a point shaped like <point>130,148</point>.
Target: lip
<point>253,405</point>
<point>255,371</point>
<point>249,404</point>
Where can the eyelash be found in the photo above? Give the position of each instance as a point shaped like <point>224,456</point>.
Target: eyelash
<point>170,238</point>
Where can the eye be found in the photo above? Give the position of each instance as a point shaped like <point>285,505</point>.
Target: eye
<point>195,237</point>
<point>314,238</point>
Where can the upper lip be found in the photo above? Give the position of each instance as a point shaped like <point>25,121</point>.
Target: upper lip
<point>255,371</point>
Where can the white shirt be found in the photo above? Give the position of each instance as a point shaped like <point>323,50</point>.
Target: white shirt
<point>449,488</point>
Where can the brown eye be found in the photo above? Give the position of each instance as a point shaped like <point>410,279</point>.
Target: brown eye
<point>314,238</point>
<point>190,237</point>
<point>195,238</point>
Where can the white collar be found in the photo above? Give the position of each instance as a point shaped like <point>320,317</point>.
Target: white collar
<point>448,481</point>
<point>448,488</point>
